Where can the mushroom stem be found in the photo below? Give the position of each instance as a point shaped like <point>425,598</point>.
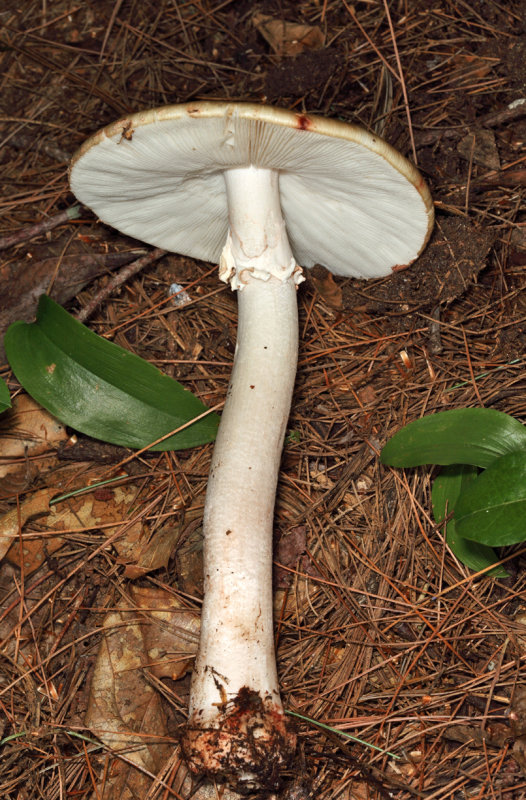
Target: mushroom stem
<point>237,728</point>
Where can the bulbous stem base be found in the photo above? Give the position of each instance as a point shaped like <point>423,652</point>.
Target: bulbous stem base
<point>249,745</point>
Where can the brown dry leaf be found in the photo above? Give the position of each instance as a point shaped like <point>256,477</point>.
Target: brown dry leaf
<point>139,550</point>
<point>150,552</point>
<point>26,430</point>
<point>496,734</point>
<point>465,734</point>
<point>153,632</point>
<point>327,288</point>
<point>93,510</point>
<point>407,770</point>
<point>115,505</point>
<point>12,522</point>
<point>289,551</point>
<point>480,146</point>
<point>17,637</point>
<point>189,557</point>
<point>171,638</point>
<point>100,508</point>
<point>367,394</point>
<point>288,38</point>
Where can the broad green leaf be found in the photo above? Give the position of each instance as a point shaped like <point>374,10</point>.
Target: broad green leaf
<point>99,388</point>
<point>5,400</point>
<point>492,510</point>
<point>452,481</point>
<point>475,436</point>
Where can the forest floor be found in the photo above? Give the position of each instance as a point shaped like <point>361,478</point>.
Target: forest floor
<point>382,634</point>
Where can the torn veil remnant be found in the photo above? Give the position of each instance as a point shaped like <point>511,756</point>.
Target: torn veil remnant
<point>260,191</point>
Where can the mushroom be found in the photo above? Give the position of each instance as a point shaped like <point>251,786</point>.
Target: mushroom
<point>261,191</point>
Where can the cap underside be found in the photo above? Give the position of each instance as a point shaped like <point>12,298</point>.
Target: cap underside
<point>346,206</point>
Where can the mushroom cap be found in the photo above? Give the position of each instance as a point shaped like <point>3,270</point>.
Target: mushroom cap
<point>350,201</point>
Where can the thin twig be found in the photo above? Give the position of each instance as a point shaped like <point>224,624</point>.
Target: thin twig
<point>121,277</point>
<point>25,234</point>
<point>401,80</point>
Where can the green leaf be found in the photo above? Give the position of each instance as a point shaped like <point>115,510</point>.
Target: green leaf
<point>292,437</point>
<point>492,510</point>
<point>5,400</point>
<point>475,436</point>
<point>99,388</point>
<point>447,488</point>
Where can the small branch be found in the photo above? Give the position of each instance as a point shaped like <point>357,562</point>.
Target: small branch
<point>29,232</point>
<point>513,111</point>
<point>121,277</point>
<point>401,80</point>
<point>515,177</point>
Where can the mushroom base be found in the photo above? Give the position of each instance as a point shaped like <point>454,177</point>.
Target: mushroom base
<point>248,745</point>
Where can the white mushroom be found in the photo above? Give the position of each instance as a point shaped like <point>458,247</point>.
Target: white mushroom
<point>259,190</point>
